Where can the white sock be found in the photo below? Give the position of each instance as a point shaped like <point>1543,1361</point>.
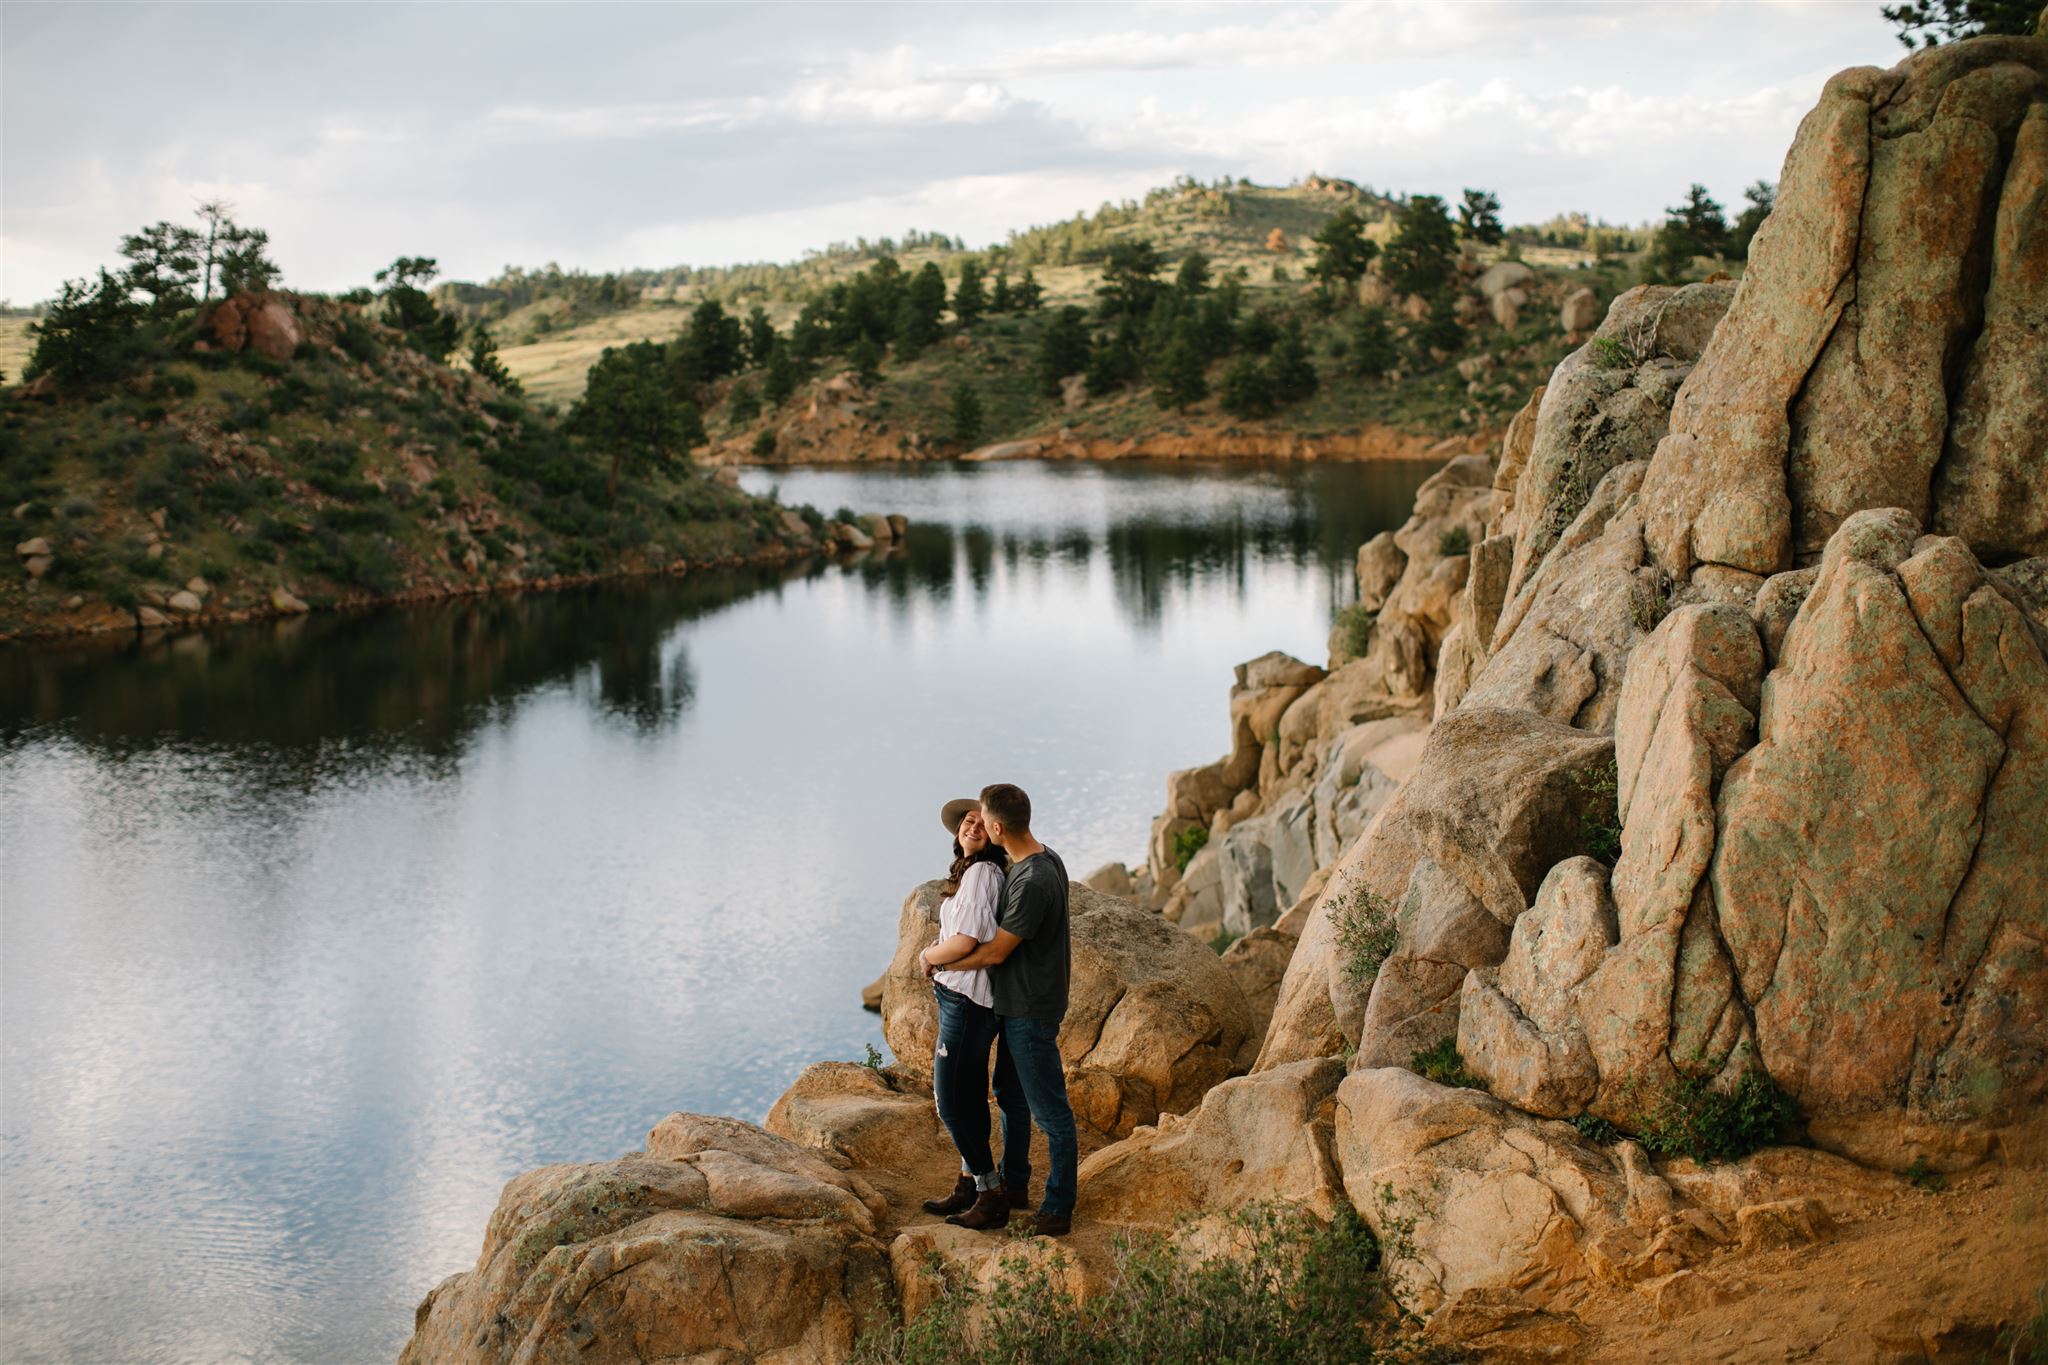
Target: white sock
<point>987,1182</point>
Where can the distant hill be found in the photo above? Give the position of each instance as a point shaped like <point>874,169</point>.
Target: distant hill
<point>552,327</point>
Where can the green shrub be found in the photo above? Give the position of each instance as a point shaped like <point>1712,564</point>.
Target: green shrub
<point>1610,354</point>
<point>1298,1292</point>
<point>1596,1129</point>
<point>1367,926</point>
<point>1354,628</point>
<point>1694,1119</point>
<point>1600,811</point>
<point>1455,541</point>
<point>764,444</point>
<point>1223,939</point>
<point>1187,843</point>
<point>1445,1065</point>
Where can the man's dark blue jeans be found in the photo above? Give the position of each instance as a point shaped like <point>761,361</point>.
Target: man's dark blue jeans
<point>1031,1084</point>
<point>960,1076</point>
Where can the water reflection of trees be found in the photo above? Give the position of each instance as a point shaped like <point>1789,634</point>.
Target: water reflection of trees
<point>416,679</point>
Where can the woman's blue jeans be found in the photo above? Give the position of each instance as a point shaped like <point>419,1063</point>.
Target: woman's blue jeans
<point>960,1076</point>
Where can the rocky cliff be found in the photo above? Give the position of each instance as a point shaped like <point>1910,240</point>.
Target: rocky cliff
<point>1685,778</point>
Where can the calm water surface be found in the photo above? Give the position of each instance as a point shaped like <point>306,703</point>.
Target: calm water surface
<point>312,936</point>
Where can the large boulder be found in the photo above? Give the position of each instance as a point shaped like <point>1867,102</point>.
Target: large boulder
<point>1153,1019</point>
<point>1255,1138</point>
<point>719,1241</point>
<point>861,1114</point>
<point>1910,690</point>
<point>1469,1194</point>
<point>1904,240</point>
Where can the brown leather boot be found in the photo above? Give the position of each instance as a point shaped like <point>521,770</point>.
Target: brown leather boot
<point>962,1197</point>
<point>1020,1197</point>
<point>991,1212</point>
<point>1053,1225</point>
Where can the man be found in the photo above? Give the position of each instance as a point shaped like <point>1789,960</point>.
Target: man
<point>1029,962</point>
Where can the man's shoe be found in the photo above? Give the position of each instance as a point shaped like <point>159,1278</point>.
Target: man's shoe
<point>962,1197</point>
<point>1020,1197</point>
<point>1053,1225</point>
<point>991,1212</point>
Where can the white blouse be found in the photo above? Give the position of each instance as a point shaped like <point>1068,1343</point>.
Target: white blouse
<point>971,910</point>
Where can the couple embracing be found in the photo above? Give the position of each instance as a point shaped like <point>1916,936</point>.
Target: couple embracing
<point>999,970</point>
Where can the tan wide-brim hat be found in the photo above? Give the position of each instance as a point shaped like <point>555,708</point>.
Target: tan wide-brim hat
<point>953,812</point>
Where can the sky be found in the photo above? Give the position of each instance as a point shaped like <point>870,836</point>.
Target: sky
<point>611,136</point>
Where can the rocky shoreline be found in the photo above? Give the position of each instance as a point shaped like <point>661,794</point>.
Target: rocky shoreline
<point>1642,915</point>
<point>170,616</point>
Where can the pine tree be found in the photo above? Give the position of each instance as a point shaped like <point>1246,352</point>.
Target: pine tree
<point>1924,23</point>
<point>90,335</point>
<point>867,361</point>
<point>1761,197</point>
<point>1479,217</point>
<point>1029,295</point>
<point>965,417</point>
<point>163,262</point>
<point>1178,379</point>
<point>1193,276</point>
<point>1294,373</point>
<point>780,381</point>
<point>1062,350</point>
<point>1373,351</point>
<point>1418,259</point>
<point>970,300</point>
<point>630,414</point>
<point>484,361</point>
<point>1247,389</point>
<point>917,313</point>
<point>1130,279</point>
<point>407,307</point>
<point>760,335</point>
<point>1343,251</point>
<point>1115,360</point>
<point>1000,299</point>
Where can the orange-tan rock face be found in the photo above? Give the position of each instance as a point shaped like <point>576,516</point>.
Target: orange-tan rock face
<point>719,1241</point>
<point>1885,348</point>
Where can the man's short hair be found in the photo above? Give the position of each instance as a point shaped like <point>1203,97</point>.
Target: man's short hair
<point>1008,804</point>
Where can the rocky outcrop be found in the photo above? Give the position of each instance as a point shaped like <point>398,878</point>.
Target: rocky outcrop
<point>1496,799</point>
<point>1884,348</point>
<point>264,323</point>
<point>1153,1021</point>
<point>1255,1138</point>
<point>719,1241</point>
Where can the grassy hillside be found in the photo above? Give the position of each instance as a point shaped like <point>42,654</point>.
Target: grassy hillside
<point>1232,227</point>
<point>353,471</point>
<point>1262,236</point>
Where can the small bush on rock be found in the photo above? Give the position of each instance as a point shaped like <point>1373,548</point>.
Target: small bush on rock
<point>1367,927</point>
<point>1354,628</point>
<point>1694,1119</point>
<point>1445,1065</point>
<point>1455,541</point>
<point>1297,1290</point>
<point>1187,843</point>
<point>1600,816</point>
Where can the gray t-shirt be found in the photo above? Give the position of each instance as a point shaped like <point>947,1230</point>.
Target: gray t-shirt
<point>1031,982</point>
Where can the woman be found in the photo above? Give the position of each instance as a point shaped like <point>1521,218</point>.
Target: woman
<point>967,1018</point>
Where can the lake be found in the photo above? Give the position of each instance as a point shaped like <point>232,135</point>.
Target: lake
<point>312,935</point>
